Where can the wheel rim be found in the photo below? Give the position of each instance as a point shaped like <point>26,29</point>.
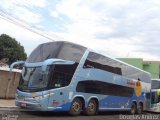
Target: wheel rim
<point>91,107</point>
<point>133,109</point>
<point>140,109</point>
<point>76,106</point>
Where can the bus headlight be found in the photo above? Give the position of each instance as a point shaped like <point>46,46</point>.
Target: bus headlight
<point>38,97</point>
<point>43,96</point>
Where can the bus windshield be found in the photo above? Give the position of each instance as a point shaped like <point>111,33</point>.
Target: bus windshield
<point>55,76</point>
<point>155,84</point>
<point>33,78</point>
<point>155,97</point>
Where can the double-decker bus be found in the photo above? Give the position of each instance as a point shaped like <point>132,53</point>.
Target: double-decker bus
<point>155,95</point>
<point>63,76</point>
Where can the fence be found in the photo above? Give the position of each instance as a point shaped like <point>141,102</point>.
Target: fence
<point>8,82</point>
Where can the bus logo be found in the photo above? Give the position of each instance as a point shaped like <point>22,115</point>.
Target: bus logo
<point>138,88</point>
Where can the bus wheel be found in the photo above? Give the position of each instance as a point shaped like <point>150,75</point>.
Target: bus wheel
<point>133,109</point>
<point>76,107</point>
<point>140,108</point>
<point>91,108</point>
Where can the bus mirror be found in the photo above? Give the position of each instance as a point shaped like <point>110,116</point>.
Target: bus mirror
<point>16,63</point>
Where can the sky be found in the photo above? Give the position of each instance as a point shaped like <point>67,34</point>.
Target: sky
<point>119,28</point>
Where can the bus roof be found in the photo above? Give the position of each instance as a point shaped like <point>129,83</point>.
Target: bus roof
<point>156,79</point>
<point>63,42</point>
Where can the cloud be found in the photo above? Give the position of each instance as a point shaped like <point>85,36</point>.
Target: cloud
<point>120,28</point>
<point>26,38</point>
<point>24,3</point>
<point>25,10</point>
<point>115,27</point>
<point>54,14</point>
<point>33,3</point>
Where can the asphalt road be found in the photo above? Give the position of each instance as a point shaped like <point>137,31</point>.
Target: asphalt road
<point>34,115</point>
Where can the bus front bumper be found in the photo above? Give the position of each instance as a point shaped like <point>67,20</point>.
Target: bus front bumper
<point>29,105</point>
<point>36,106</point>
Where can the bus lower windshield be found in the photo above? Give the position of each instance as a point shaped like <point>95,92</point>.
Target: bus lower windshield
<point>155,97</point>
<point>33,78</point>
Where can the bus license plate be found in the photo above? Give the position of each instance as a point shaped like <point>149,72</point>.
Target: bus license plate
<point>23,104</point>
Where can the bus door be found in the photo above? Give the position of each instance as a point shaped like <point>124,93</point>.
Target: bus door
<point>58,89</point>
<point>56,92</point>
<point>155,101</point>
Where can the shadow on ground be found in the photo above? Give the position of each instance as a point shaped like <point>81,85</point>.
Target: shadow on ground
<point>65,114</point>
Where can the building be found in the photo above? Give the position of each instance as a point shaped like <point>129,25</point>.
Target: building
<point>8,82</point>
<point>152,67</point>
<point>2,64</point>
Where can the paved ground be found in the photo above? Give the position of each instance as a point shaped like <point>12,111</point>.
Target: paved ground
<point>15,114</point>
<point>8,111</point>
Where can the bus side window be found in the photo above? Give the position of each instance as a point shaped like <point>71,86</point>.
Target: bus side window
<point>62,75</point>
<point>98,87</point>
<point>98,61</point>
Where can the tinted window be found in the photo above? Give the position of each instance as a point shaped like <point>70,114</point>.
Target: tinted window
<point>155,84</point>
<point>155,98</point>
<point>60,50</point>
<point>98,87</point>
<point>134,73</point>
<point>98,61</point>
<point>33,79</point>
<point>61,75</point>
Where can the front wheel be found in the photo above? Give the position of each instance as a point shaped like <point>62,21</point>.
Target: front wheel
<point>91,108</point>
<point>76,107</point>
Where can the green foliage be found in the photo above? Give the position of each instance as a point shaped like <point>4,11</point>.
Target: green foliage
<point>11,49</point>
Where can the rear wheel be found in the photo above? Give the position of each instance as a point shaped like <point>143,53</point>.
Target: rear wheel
<point>133,109</point>
<point>140,109</point>
<point>76,107</point>
<point>91,108</point>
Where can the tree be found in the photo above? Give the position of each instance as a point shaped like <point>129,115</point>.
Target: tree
<point>11,49</point>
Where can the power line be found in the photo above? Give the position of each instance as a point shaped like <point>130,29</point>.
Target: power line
<point>9,19</point>
<point>5,16</point>
<point>25,4</point>
<point>19,20</point>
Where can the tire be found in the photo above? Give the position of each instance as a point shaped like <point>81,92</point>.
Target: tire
<point>133,109</point>
<point>76,107</point>
<point>91,108</point>
<point>140,108</point>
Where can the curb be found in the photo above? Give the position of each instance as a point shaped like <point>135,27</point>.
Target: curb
<point>8,107</point>
<point>13,108</point>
